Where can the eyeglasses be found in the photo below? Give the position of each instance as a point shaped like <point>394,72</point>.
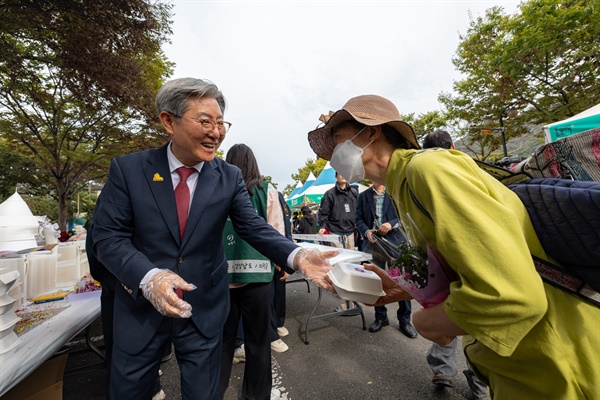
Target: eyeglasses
<point>209,126</point>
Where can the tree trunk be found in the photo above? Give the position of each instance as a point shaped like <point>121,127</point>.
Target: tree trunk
<point>63,206</point>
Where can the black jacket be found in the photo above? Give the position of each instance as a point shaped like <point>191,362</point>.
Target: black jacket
<point>307,225</point>
<point>338,209</point>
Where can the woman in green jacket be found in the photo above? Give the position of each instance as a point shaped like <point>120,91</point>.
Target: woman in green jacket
<point>524,338</point>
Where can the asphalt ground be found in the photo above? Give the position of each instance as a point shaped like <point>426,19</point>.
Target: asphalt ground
<point>341,361</point>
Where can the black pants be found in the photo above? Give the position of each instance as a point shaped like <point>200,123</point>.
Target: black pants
<point>279,304</point>
<point>254,302</point>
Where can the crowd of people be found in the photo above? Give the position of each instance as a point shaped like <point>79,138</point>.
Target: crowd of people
<point>195,251</point>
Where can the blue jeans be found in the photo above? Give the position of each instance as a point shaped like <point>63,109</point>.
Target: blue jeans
<point>442,361</point>
<point>403,313</point>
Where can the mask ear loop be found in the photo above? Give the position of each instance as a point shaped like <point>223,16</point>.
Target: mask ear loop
<point>359,132</point>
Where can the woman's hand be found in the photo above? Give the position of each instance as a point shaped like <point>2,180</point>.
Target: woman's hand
<point>393,291</point>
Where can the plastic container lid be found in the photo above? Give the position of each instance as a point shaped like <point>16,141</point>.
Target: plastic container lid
<point>355,283</point>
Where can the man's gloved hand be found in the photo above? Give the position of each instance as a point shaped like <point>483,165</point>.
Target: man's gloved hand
<point>314,265</point>
<point>160,292</point>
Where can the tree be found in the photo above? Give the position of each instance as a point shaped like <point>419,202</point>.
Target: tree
<point>542,61</point>
<point>78,81</point>
<point>425,123</point>
<point>20,173</point>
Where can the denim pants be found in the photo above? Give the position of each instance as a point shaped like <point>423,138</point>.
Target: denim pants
<point>403,313</point>
<point>442,361</point>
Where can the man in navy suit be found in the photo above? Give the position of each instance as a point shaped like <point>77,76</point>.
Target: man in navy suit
<point>167,254</point>
<point>375,213</point>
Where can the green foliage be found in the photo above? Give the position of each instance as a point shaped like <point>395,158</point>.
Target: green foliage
<point>78,83</point>
<point>543,61</point>
<point>425,123</point>
<point>414,262</point>
<point>20,173</point>
<point>43,205</point>
<point>48,205</point>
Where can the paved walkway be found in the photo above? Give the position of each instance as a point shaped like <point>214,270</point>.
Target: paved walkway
<point>342,361</point>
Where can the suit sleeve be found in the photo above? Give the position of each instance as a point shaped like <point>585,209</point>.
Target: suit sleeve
<point>361,208</point>
<point>113,232</point>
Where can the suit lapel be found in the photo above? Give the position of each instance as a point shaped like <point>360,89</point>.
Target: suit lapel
<point>205,187</point>
<point>156,168</point>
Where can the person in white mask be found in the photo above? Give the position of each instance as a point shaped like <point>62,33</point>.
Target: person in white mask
<point>524,338</point>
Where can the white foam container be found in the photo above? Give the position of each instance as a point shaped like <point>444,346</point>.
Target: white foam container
<point>9,343</point>
<point>6,304</point>
<point>355,283</point>
<point>7,280</point>
<point>8,320</point>
<point>8,328</point>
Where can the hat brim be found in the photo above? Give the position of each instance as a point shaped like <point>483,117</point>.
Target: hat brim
<point>321,139</point>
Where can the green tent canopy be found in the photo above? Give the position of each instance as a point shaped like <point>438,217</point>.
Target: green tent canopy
<point>584,121</point>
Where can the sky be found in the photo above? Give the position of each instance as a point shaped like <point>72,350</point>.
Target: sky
<point>281,64</point>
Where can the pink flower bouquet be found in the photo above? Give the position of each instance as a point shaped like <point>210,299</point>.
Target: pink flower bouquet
<point>426,277</point>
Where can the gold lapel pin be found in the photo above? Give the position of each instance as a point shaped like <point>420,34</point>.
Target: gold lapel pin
<point>158,178</point>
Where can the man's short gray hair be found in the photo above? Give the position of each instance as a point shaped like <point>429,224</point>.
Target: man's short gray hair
<point>172,96</point>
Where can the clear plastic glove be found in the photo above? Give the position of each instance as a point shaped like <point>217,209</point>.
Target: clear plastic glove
<point>160,292</point>
<point>314,265</point>
<point>393,291</point>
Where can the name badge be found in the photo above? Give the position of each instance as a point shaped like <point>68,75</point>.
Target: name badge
<point>347,207</point>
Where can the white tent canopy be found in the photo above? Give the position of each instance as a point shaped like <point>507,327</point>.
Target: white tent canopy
<point>18,226</point>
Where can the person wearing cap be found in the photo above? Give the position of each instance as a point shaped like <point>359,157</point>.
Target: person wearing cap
<point>524,338</point>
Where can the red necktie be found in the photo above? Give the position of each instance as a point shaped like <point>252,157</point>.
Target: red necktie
<point>182,197</point>
<point>182,200</point>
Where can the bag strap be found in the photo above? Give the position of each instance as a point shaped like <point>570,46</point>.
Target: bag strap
<point>561,278</point>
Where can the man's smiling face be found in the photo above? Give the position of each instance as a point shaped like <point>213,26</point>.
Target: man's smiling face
<point>192,143</point>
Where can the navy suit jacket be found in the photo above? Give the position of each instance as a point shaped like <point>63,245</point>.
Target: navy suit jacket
<point>365,212</point>
<point>136,229</point>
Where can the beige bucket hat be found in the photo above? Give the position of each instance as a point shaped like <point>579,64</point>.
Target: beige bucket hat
<point>370,110</point>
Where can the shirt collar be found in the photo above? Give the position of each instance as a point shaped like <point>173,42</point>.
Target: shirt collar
<point>174,163</point>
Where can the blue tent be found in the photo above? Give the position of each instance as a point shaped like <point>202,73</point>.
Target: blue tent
<point>309,181</point>
<point>296,190</point>
<point>314,193</point>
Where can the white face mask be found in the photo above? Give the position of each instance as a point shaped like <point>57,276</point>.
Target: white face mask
<point>347,160</point>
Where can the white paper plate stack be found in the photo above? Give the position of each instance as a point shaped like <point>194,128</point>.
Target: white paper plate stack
<point>8,318</point>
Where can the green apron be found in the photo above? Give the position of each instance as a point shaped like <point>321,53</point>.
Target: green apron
<point>247,265</point>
